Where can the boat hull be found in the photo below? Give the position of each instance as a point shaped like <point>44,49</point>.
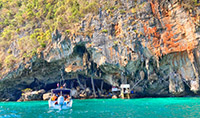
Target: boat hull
<point>66,105</point>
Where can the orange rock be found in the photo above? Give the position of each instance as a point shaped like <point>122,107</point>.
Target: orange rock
<point>169,27</point>
<point>111,54</point>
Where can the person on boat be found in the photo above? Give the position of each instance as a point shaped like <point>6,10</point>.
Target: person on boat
<point>56,103</point>
<point>65,96</point>
<point>58,94</point>
<point>127,90</point>
<point>54,97</point>
<point>132,92</point>
<point>68,99</point>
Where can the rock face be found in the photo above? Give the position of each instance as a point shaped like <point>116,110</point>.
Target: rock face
<point>46,96</point>
<point>34,95</point>
<point>153,46</point>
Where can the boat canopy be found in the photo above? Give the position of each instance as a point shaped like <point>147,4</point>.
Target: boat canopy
<point>125,86</point>
<point>63,91</point>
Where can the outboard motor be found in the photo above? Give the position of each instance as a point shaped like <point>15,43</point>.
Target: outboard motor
<point>61,100</point>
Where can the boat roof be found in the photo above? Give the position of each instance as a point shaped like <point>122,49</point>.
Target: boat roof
<point>125,86</point>
<point>63,90</point>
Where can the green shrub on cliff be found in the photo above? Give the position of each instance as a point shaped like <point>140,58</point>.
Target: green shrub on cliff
<point>67,31</point>
<point>43,45</point>
<point>189,4</point>
<point>90,7</point>
<point>42,15</point>
<point>29,23</point>
<point>197,2</point>
<point>27,90</point>
<point>104,31</point>
<point>1,4</point>
<point>10,61</point>
<point>122,11</point>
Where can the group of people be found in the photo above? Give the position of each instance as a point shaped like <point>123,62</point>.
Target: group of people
<point>66,97</point>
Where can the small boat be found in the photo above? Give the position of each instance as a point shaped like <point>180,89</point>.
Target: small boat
<point>60,98</point>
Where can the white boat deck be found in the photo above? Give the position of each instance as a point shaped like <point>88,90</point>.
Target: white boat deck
<point>66,104</point>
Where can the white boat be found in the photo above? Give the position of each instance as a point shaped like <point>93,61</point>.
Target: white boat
<point>60,102</point>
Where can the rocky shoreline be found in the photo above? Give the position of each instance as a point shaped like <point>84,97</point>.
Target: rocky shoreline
<point>76,94</point>
<point>46,97</point>
<point>83,94</point>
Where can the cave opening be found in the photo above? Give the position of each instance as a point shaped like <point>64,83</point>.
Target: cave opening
<point>79,50</point>
<point>86,82</point>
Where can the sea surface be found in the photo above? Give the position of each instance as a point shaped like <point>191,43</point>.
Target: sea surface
<point>187,107</point>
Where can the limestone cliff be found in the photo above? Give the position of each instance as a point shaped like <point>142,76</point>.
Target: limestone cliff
<point>151,44</point>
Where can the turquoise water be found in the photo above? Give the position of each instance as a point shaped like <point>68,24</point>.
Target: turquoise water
<point>107,108</point>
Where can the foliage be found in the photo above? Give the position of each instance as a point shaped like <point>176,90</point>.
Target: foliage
<point>133,10</point>
<point>9,61</point>
<point>27,90</point>
<point>197,2</point>
<point>30,23</point>
<point>189,4</point>
<point>122,11</point>
<point>9,51</point>
<point>116,42</point>
<point>67,31</point>
<point>104,31</point>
